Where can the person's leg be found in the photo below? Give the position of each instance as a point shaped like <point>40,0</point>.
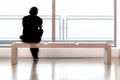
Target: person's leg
<point>34,52</point>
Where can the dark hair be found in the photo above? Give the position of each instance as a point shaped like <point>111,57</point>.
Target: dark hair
<point>33,11</point>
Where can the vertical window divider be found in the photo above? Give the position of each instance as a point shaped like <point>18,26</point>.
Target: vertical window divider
<point>53,20</point>
<point>115,22</point>
<point>63,28</point>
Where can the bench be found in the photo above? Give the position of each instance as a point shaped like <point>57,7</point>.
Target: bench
<point>105,45</point>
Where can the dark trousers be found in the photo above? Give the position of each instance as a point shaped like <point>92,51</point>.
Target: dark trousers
<point>26,39</point>
<point>34,52</point>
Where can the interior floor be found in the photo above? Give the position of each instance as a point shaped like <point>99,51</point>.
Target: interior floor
<point>60,69</point>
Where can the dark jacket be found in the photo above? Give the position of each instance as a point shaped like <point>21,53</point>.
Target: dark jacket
<point>32,29</point>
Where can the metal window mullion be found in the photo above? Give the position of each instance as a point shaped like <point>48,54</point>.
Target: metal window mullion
<point>115,22</point>
<point>53,20</point>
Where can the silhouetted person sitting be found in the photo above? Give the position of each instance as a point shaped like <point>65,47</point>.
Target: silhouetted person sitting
<point>32,30</point>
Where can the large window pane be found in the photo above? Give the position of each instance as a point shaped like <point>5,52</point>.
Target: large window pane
<point>10,29</point>
<point>21,7</point>
<point>86,20</point>
<point>76,20</point>
<point>48,28</point>
<point>90,28</point>
<point>85,7</point>
<point>12,12</point>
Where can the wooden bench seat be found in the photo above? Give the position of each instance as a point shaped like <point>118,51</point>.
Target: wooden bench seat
<point>105,45</point>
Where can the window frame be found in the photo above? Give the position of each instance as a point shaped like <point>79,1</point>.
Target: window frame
<point>54,24</point>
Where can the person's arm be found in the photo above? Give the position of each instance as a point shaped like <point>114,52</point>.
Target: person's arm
<point>40,26</point>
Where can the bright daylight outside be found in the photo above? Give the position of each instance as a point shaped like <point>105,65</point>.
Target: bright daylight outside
<point>76,20</point>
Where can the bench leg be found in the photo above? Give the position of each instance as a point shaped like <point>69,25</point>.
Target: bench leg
<point>107,56</point>
<point>14,56</point>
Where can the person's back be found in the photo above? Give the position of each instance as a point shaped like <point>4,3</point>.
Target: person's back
<point>30,28</point>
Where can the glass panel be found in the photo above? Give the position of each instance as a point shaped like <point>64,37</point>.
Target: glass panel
<point>21,7</point>
<point>86,20</point>
<point>48,28</point>
<point>12,12</point>
<point>11,30</point>
<point>58,27</point>
<point>96,29</point>
<point>84,7</point>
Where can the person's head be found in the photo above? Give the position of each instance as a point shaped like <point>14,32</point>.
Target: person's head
<point>33,11</point>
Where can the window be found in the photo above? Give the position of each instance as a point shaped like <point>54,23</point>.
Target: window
<point>75,21</point>
<point>87,20</point>
<point>12,12</point>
